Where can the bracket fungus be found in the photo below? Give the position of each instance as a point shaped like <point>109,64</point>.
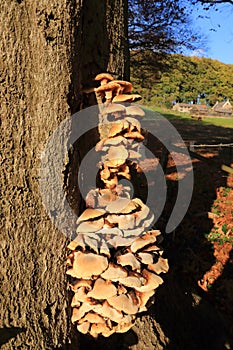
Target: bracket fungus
<point>115,261</point>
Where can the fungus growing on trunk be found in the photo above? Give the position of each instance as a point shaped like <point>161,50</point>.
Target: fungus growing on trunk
<point>103,78</point>
<point>115,261</point>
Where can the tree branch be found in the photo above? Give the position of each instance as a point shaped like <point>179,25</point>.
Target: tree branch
<point>213,2</point>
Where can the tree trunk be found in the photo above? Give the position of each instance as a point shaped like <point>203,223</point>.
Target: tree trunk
<point>51,50</point>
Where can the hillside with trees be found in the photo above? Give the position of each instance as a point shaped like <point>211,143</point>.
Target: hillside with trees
<point>181,78</point>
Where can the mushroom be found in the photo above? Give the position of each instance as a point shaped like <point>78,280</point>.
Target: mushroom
<point>114,141</point>
<point>125,324</point>
<point>152,281</point>
<point>114,272</point>
<point>121,289</point>
<point>91,243</point>
<point>129,259</point>
<point>77,242</point>
<point>134,232</point>
<point>130,207</point>
<point>104,78</point>
<point>145,258</point>
<point>91,198</point>
<point>124,174</point>
<point>134,135</point>
<point>110,231</point>
<point>100,145</point>
<point>102,289</point>
<point>126,98</point>
<point>105,197</point>
<point>92,317</point>
<point>99,328</point>
<point>78,313</point>
<point>113,180</point>
<point>160,266</point>
<point>108,332</point>
<point>87,264</point>
<point>69,260</point>
<point>125,86</point>
<point>79,296</point>
<point>143,241</point>
<point>123,303</point>
<point>90,226</point>
<point>107,311</point>
<point>136,97</point>
<point>122,98</point>
<point>115,163</point>
<point>104,250</point>
<point>120,241</point>
<point>134,155</point>
<point>154,249</point>
<point>81,283</point>
<point>107,90</point>
<point>118,127</point>
<point>143,213</point>
<point>131,281</point>
<point>144,297</point>
<point>135,111</point>
<point>114,109</point>
<point>123,169</point>
<point>105,173</point>
<point>118,205</point>
<point>92,235</point>
<point>126,222</point>
<point>122,190</point>
<point>90,214</point>
<point>83,327</point>
<point>117,153</point>
<point>134,124</point>
<point>149,220</point>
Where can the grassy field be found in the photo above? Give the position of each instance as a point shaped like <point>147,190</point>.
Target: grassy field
<point>169,114</point>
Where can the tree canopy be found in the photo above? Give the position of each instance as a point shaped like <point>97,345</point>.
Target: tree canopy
<point>184,79</point>
<point>161,26</point>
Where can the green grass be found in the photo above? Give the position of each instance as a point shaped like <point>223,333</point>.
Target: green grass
<point>169,114</point>
<point>219,238</point>
<point>223,122</point>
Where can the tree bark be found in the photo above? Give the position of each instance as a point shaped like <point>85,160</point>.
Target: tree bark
<point>51,50</point>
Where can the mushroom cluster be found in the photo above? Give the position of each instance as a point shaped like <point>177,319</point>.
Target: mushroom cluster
<point>115,261</point>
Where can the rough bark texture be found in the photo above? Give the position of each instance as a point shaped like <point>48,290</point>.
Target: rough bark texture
<point>50,50</point>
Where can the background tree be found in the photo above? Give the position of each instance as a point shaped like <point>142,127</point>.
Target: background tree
<point>161,26</point>
<point>155,29</point>
<point>185,79</point>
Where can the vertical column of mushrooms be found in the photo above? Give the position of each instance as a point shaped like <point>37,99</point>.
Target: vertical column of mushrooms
<point>116,261</point>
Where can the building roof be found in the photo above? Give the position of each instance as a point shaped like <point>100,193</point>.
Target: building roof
<point>200,107</point>
<point>184,104</point>
<point>222,106</point>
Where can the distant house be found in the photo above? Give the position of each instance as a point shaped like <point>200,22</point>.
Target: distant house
<point>223,109</point>
<point>182,107</point>
<point>190,108</point>
<point>199,110</point>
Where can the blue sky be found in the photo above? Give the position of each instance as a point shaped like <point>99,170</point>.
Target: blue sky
<point>218,28</point>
